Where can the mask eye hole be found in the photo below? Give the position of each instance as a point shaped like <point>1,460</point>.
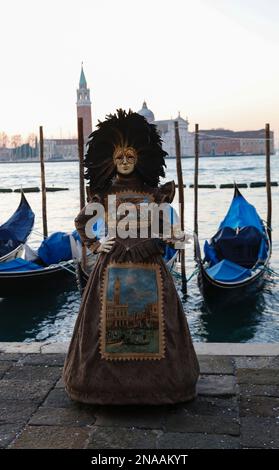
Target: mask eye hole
<point>126,155</point>
<point>129,158</point>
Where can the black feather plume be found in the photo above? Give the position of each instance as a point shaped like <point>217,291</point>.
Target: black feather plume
<point>124,128</point>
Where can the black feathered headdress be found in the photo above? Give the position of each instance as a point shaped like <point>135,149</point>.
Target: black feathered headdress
<point>124,129</point>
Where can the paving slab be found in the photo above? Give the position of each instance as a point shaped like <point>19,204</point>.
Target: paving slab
<point>183,422</point>
<point>147,417</point>
<point>216,365</point>
<point>74,416</point>
<point>30,373</point>
<point>257,362</point>
<point>16,412</point>
<point>4,367</point>
<point>123,438</point>
<point>51,437</point>
<point>259,406</point>
<point>54,360</point>
<point>11,357</point>
<point>175,440</point>
<point>258,376</point>
<point>258,390</point>
<point>211,406</point>
<point>217,385</point>
<point>19,390</point>
<point>58,398</point>
<point>260,433</point>
<point>8,433</point>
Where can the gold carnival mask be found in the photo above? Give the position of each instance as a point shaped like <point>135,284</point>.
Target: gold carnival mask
<point>125,159</point>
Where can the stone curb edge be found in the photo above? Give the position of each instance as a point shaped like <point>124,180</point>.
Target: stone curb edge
<point>212,349</point>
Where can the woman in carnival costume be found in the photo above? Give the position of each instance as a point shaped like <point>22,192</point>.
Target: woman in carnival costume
<point>131,342</point>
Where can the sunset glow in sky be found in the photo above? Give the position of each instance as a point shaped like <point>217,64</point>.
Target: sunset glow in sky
<point>215,61</point>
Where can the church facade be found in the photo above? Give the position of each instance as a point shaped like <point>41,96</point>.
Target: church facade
<point>167,132</point>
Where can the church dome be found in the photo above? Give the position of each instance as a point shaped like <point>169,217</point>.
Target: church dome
<point>147,113</point>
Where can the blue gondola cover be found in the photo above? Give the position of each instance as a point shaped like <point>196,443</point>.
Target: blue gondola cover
<point>55,248</point>
<point>241,214</point>
<point>17,228</point>
<point>18,264</point>
<point>240,239</point>
<point>226,271</point>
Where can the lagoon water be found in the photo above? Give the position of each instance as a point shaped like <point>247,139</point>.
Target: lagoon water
<point>51,317</point>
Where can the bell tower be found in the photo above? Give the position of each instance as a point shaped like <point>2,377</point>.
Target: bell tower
<point>84,105</point>
<point>116,296</point>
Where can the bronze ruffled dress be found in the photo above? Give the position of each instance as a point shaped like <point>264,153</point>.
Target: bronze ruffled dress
<point>131,342</point>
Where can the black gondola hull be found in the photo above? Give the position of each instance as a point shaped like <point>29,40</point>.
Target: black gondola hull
<point>218,293</point>
<point>30,282</point>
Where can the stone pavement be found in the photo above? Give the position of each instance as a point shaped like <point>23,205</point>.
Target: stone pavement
<point>237,407</point>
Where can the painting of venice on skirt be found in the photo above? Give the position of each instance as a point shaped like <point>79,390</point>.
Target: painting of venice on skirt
<point>132,316</point>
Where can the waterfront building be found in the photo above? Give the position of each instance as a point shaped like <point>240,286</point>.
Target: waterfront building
<point>5,154</point>
<point>167,132</point>
<point>212,142</point>
<point>60,149</point>
<point>219,142</point>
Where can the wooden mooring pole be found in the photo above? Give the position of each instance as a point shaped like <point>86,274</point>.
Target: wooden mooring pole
<point>181,202</point>
<point>196,179</point>
<point>81,180</point>
<point>268,180</point>
<point>43,183</point>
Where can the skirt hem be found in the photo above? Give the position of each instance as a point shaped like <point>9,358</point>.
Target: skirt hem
<point>113,400</point>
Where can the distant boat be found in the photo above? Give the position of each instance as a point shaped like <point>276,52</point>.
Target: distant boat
<point>15,232</point>
<point>235,259</point>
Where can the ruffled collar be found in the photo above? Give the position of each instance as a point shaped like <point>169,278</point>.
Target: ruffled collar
<point>128,181</point>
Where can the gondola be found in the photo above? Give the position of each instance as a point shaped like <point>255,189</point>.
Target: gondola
<point>15,231</point>
<point>235,259</point>
<point>50,267</point>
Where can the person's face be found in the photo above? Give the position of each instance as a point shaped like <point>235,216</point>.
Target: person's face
<point>125,160</point>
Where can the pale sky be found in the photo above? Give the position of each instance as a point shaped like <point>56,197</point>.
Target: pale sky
<point>215,61</point>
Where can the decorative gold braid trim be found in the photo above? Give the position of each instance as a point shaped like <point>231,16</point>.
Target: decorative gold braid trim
<point>102,325</point>
<point>126,192</point>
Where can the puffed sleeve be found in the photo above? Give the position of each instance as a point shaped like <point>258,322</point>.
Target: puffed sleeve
<point>166,192</point>
<point>92,242</point>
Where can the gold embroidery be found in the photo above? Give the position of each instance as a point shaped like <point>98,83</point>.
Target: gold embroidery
<point>132,324</point>
<point>130,195</point>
